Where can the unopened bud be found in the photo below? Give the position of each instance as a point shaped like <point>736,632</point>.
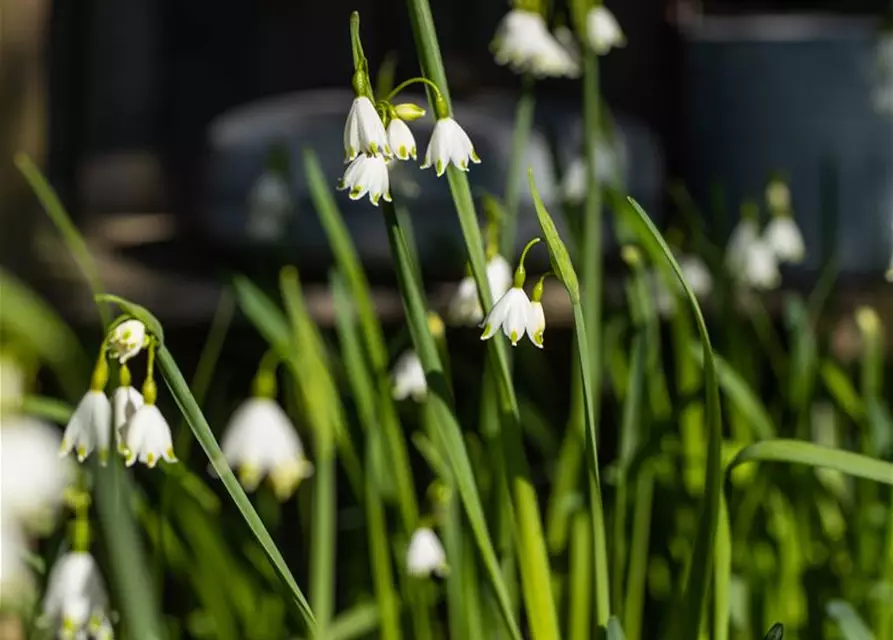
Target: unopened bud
<point>408,111</point>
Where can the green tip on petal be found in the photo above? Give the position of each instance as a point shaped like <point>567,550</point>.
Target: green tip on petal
<point>169,455</point>
<point>474,156</point>
<point>402,153</point>
<point>439,168</point>
<point>373,147</point>
<point>356,193</point>
<point>150,459</point>
<point>82,453</point>
<point>514,338</point>
<point>103,456</point>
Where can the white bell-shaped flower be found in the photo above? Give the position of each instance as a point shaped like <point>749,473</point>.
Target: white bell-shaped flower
<point>760,269</point>
<point>401,140</point>
<point>367,174</point>
<point>425,555</point>
<point>125,402</point>
<point>603,31</point>
<point>16,579</point>
<point>465,307</point>
<point>260,441</point>
<point>697,275</point>
<point>147,438</point>
<point>783,236</point>
<point>523,42</point>
<point>76,601</point>
<point>32,480</point>
<point>512,312</point>
<point>408,378</point>
<point>536,323</point>
<point>449,143</point>
<point>364,131</point>
<point>89,428</point>
<point>743,236</point>
<point>127,340</point>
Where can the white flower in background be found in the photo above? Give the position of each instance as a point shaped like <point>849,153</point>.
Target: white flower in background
<point>425,555</point>
<point>696,274</point>
<point>512,312</point>
<point>783,235</point>
<point>260,441</point>
<point>449,143</point>
<point>89,428</point>
<point>364,131</point>
<point>401,140</point>
<point>465,307</point>
<point>603,30</point>
<point>760,269</point>
<point>32,480</point>
<point>523,42</point>
<point>16,580</point>
<point>269,205</point>
<point>408,378</point>
<point>536,323</point>
<point>744,235</point>
<point>607,169</point>
<point>147,438</point>
<point>127,340</point>
<point>76,602</point>
<point>125,402</point>
<point>367,174</point>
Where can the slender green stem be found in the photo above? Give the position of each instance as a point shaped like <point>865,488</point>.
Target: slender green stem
<point>579,626</point>
<point>400,87</point>
<point>514,179</point>
<point>322,558</point>
<point>199,425</point>
<point>634,600</point>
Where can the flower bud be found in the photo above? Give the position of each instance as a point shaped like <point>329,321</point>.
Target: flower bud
<point>408,111</point>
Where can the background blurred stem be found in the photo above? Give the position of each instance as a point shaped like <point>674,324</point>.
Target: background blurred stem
<point>580,605</point>
<point>532,555</point>
<point>515,178</point>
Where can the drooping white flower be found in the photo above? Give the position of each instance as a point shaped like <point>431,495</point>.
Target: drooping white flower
<point>367,174</point>
<point>449,143</point>
<point>125,402</point>
<point>760,269</point>
<point>512,312</point>
<point>147,438</point>
<point>743,236</point>
<point>603,31</point>
<point>536,323</point>
<point>260,441</point>
<point>269,205</point>
<point>425,555</point>
<point>127,340</point>
<point>32,480</point>
<point>16,579</point>
<point>401,140</point>
<point>408,378</point>
<point>89,428</point>
<point>783,235</point>
<point>523,42</point>
<point>364,131</point>
<point>465,307</point>
<point>76,601</point>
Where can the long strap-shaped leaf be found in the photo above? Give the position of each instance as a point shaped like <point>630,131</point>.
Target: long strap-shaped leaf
<point>700,566</point>
<point>814,455</point>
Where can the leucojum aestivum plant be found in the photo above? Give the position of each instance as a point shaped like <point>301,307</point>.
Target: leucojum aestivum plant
<point>404,487</point>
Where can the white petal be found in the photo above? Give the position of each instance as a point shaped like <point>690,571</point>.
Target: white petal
<point>696,274</point>
<point>515,324</point>
<point>449,143</point>
<point>367,174</point>
<point>401,140</point>
<point>499,276</point>
<point>370,131</point>
<point>75,591</point>
<point>602,30</point>
<point>425,554</point>
<point>465,308</point>
<point>784,237</point>
<point>409,377</point>
<point>761,268</point>
<point>148,437</point>
<point>497,315</point>
<point>536,323</point>
<point>743,236</point>
<point>32,478</point>
<point>89,426</point>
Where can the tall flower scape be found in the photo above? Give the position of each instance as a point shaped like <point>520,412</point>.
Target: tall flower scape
<point>460,475</point>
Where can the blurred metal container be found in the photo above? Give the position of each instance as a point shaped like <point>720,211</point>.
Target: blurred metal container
<point>795,94</point>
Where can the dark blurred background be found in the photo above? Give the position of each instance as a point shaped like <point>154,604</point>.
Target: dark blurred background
<point>155,118</point>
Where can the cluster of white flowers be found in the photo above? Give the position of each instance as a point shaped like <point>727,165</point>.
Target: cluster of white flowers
<point>33,484</point>
<point>370,148</point>
<point>523,43</point>
<point>141,431</point>
<point>754,257</point>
